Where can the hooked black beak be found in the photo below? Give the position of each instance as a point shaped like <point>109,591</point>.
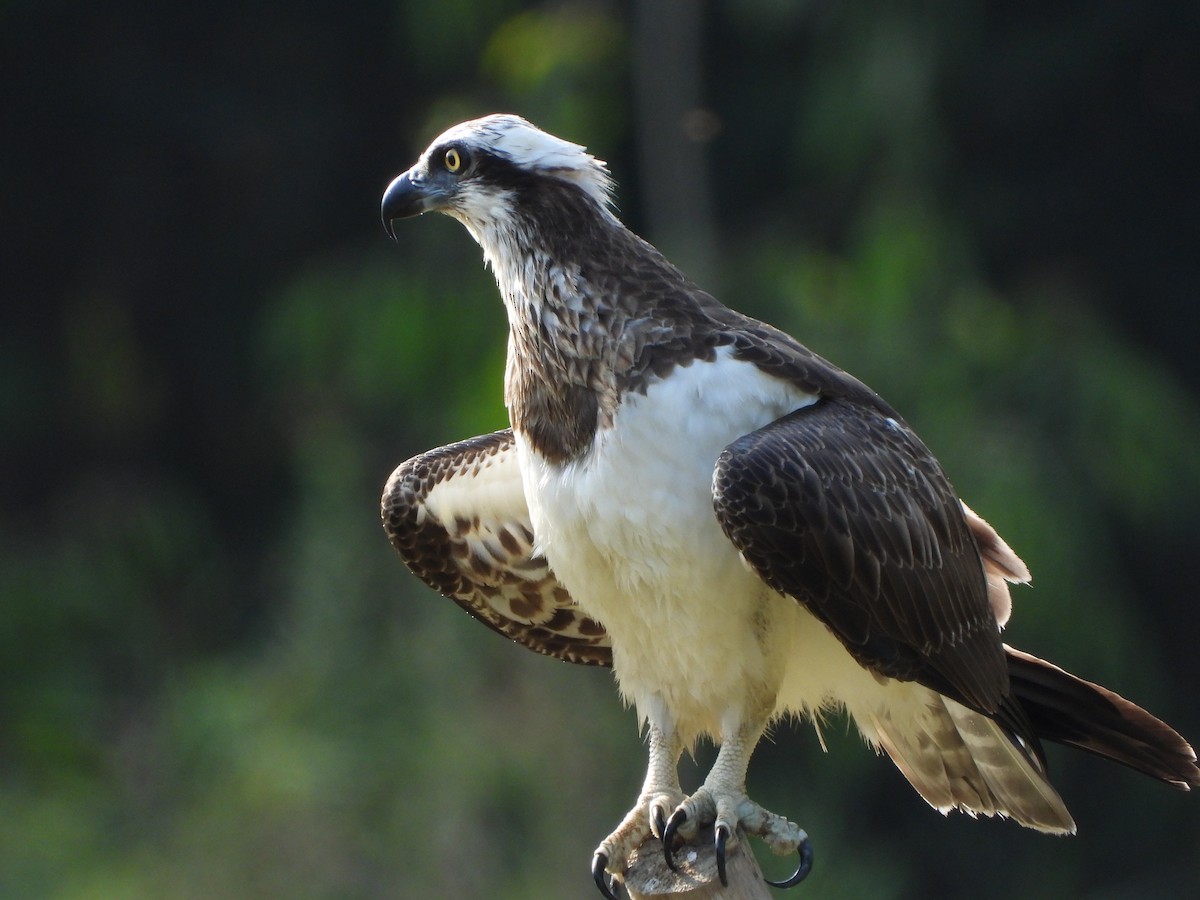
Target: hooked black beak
<point>404,198</point>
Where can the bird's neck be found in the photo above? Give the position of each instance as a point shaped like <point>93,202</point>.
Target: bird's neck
<point>546,267</point>
<point>580,331</point>
<point>559,379</point>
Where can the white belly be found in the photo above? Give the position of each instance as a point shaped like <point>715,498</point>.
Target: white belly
<point>630,531</point>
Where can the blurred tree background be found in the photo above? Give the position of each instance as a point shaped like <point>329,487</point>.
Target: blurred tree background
<point>215,677</point>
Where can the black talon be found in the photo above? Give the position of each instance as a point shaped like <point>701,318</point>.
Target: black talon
<point>601,877</point>
<point>659,821</point>
<point>668,839</point>
<point>802,870</point>
<point>722,835</point>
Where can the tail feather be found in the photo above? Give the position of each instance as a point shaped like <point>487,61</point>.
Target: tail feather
<point>1013,771</point>
<point>957,758</point>
<point>1068,710</point>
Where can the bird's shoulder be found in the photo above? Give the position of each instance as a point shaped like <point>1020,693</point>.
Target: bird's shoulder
<point>775,352</point>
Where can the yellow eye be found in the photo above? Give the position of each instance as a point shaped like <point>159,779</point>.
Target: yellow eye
<point>452,160</point>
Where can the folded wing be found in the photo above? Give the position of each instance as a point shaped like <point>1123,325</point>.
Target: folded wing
<point>842,507</point>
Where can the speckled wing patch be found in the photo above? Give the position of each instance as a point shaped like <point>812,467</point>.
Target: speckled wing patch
<point>458,518</point>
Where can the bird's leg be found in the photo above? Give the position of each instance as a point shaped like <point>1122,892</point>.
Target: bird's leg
<point>660,795</point>
<point>722,800</point>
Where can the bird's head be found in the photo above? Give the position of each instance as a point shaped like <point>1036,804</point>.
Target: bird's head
<point>475,171</point>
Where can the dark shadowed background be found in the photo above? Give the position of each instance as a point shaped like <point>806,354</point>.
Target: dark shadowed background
<point>215,677</point>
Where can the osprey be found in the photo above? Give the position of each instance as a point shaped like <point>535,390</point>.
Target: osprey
<point>742,530</point>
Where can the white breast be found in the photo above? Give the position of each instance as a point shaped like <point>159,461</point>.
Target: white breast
<point>630,530</point>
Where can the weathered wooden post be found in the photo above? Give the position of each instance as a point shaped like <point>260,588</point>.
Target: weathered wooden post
<point>648,876</point>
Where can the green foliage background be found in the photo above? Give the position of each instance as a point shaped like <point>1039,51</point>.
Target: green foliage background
<point>216,679</point>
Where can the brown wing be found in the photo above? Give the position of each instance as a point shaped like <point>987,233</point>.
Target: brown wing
<point>842,507</point>
<point>457,516</point>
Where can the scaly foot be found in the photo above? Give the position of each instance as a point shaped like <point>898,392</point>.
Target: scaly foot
<point>648,816</point>
<point>722,801</point>
<point>660,795</point>
<point>729,811</point>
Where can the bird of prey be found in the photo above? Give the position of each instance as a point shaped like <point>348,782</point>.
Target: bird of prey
<point>741,529</point>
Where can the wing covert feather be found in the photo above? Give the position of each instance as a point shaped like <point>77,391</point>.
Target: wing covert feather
<point>458,518</point>
<point>841,506</point>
